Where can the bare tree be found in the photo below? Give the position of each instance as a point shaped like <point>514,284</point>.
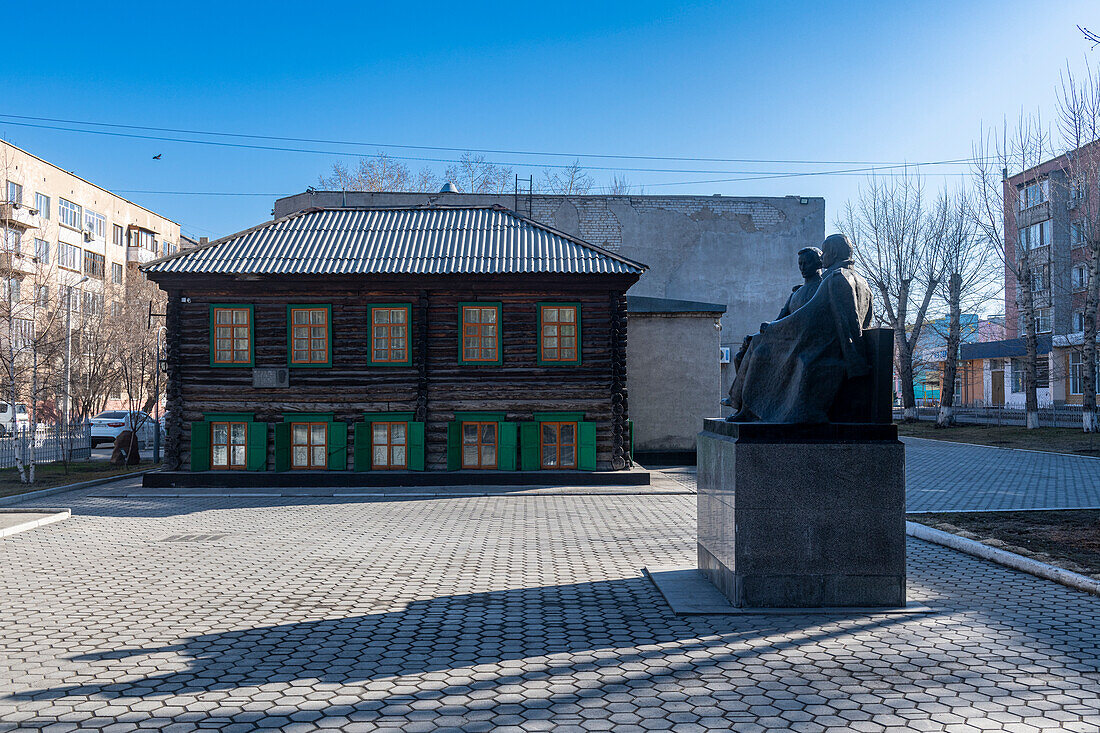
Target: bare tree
<point>474,174</point>
<point>996,205</point>
<point>888,227</point>
<point>379,173</point>
<point>93,372</point>
<point>619,186</point>
<point>571,180</point>
<point>970,278</point>
<point>133,350</point>
<point>1079,113</point>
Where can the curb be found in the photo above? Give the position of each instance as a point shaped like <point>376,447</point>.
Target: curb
<point>56,516</point>
<point>1003,557</point>
<point>20,498</point>
<point>1000,447</point>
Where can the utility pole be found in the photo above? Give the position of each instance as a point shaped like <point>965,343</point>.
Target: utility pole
<point>69,351</point>
<point>156,403</point>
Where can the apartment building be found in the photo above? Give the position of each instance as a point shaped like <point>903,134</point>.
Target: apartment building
<point>1044,213</point>
<point>63,237</point>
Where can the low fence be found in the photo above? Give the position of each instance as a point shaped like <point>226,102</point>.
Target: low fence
<point>1063,416</point>
<point>48,444</point>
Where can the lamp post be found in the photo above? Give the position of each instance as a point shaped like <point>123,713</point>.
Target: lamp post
<point>69,351</point>
<point>156,404</point>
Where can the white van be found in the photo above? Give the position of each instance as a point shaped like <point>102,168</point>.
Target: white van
<point>13,416</point>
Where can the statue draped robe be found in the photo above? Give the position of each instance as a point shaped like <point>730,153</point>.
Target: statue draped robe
<point>795,367</point>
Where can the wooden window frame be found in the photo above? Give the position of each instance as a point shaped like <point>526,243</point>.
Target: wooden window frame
<point>229,436</point>
<point>557,446</point>
<point>577,335</point>
<point>290,336</point>
<point>390,466</point>
<point>309,443</point>
<point>462,423</point>
<point>462,334</point>
<point>214,308</point>
<point>371,307</point>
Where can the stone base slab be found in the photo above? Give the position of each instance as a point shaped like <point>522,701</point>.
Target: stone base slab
<point>801,515</point>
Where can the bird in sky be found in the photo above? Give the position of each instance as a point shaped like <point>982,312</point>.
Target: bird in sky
<point>157,156</point>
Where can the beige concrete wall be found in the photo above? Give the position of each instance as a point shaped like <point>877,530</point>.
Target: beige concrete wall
<point>673,378</point>
<point>39,176</point>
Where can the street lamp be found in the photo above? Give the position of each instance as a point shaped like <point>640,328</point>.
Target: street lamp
<point>156,389</point>
<point>69,351</point>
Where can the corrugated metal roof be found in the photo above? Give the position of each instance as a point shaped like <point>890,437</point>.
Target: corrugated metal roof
<point>431,240</point>
<point>1005,348</point>
<point>646,304</point>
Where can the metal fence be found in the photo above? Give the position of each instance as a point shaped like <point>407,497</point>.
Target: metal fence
<point>48,443</point>
<point>1062,416</point>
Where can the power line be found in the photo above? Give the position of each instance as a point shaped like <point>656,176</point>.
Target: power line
<point>246,146</point>
<point>608,156</point>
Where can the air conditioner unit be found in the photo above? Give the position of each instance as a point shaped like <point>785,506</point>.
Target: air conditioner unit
<point>88,234</point>
<point>723,355</point>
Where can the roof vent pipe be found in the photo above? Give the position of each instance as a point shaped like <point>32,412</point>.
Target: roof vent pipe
<point>449,187</point>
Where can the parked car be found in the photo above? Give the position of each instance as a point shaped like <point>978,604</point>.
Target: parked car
<point>106,426</point>
<point>13,417</point>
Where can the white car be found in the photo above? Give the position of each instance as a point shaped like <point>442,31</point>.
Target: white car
<point>13,417</point>
<point>106,426</point>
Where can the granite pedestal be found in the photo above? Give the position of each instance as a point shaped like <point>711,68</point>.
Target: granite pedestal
<point>802,516</point>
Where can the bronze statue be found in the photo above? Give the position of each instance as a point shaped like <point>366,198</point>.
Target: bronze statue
<point>792,371</point>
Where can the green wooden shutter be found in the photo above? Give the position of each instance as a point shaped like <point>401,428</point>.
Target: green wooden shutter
<point>586,446</point>
<point>362,446</point>
<point>417,447</point>
<point>506,446</point>
<point>454,448</point>
<point>200,446</point>
<point>337,446</point>
<point>282,446</point>
<point>256,459</point>
<point>529,446</point>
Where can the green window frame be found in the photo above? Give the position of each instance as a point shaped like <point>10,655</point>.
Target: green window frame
<point>336,440</point>
<point>371,361</point>
<point>550,357</point>
<point>506,439</point>
<point>214,308</point>
<point>530,442</point>
<point>462,333</point>
<point>255,440</point>
<point>415,447</point>
<point>290,336</point>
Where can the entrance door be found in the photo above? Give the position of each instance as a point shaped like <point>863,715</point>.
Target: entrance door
<point>997,381</point>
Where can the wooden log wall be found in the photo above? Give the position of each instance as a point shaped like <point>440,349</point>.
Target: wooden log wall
<point>435,386</point>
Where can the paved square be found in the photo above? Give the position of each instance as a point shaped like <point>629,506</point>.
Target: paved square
<point>502,613</point>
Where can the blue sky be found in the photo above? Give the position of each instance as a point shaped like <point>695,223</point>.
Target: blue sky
<point>785,80</point>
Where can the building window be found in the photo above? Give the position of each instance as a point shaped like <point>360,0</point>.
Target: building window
<point>69,256</point>
<point>143,238</point>
<point>480,333</point>
<point>94,265</point>
<point>42,203</point>
<point>1080,276</point>
<point>228,446</point>
<point>310,329</point>
<point>1036,235</point>
<point>389,334</point>
<point>42,296</point>
<point>118,236</point>
<point>232,335</point>
<point>12,290</point>
<point>116,273</point>
<point>1017,376</point>
<point>479,445</point>
<point>1034,193</point>
<point>42,251</point>
<point>559,444</point>
<point>13,241</point>
<point>559,333</point>
<point>1042,320</point>
<point>1077,234</point>
<point>15,193</point>
<point>69,213</point>
<point>95,224</point>
<point>1040,279</point>
<point>93,304</point>
<point>24,334</point>
<point>389,445</point>
<point>308,445</point>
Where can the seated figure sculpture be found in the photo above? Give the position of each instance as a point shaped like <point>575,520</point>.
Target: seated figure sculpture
<point>793,370</point>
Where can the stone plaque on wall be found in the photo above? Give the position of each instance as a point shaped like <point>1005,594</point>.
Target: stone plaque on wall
<point>271,378</point>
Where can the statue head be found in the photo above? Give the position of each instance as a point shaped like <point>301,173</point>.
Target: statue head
<point>809,261</point>
<point>837,248</point>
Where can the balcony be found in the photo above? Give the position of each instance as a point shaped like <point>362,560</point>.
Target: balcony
<point>1033,214</point>
<point>18,215</point>
<point>139,255</point>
